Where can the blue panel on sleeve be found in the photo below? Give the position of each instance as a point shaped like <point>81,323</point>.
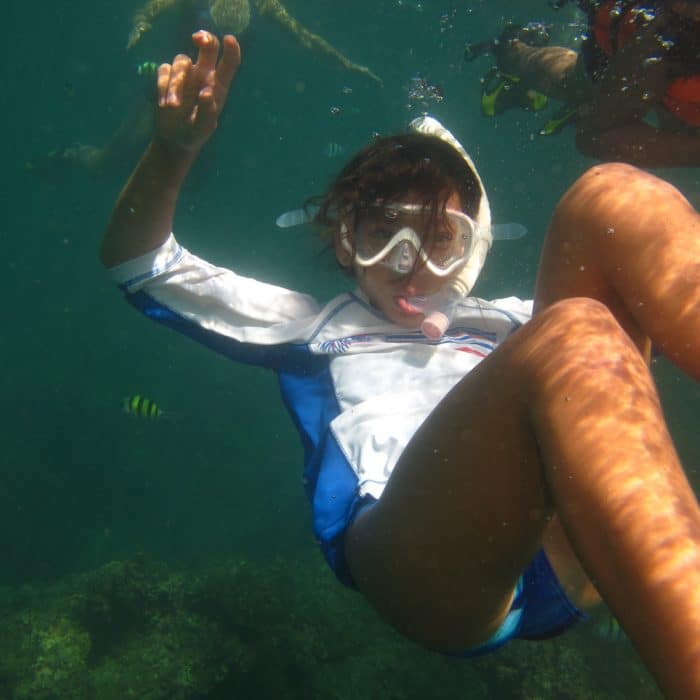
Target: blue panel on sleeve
<point>308,393</point>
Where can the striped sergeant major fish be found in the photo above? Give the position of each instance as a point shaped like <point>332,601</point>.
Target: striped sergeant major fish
<point>333,150</point>
<point>141,406</point>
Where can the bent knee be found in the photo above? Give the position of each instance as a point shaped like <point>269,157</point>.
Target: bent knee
<point>577,330</point>
<point>598,189</point>
<point>618,190</point>
<point>582,311</point>
<point>581,351</point>
<point>611,176</point>
<point>602,219</point>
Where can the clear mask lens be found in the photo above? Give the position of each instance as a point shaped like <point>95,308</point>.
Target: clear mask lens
<point>391,235</point>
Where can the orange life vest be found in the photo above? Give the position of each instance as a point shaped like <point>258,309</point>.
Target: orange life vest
<point>611,29</point>
<point>682,99</point>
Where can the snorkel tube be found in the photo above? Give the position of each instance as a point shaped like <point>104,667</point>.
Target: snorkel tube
<point>440,308</point>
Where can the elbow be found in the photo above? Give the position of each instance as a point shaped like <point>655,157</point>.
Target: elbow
<point>108,256</point>
<point>104,260</point>
<point>104,257</point>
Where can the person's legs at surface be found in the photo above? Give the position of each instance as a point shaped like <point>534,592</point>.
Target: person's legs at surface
<point>563,419</point>
<point>556,71</point>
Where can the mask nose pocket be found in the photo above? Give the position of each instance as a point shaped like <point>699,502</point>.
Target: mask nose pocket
<point>403,257</point>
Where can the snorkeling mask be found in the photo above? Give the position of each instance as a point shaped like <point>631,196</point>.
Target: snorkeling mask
<point>440,308</point>
<point>388,234</point>
<point>393,238</point>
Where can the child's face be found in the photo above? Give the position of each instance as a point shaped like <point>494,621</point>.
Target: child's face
<point>390,291</point>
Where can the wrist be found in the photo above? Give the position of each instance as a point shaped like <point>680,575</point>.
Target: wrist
<point>171,155</point>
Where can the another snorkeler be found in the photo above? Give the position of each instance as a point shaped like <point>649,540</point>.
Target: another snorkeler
<point>479,475</point>
<point>219,17</point>
<point>501,91</point>
<point>634,89</point>
<point>234,17</point>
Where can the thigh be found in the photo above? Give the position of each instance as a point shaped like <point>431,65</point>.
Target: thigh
<point>464,510</point>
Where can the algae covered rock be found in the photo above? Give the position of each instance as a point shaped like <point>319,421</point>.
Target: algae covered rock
<point>53,651</point>
<point>283,629</point>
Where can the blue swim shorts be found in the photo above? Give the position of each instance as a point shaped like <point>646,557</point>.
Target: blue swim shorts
<point>540,609</point>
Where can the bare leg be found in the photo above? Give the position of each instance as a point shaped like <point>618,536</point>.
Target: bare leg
<point>309,40</point>
<point>553,70</point>
<point>122,148</point>
<point>563,419</point>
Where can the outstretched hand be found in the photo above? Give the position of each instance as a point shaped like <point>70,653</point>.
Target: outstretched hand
<point>192,95</point>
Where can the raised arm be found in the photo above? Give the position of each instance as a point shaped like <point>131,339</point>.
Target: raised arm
<point>190,100</point>
<point>310,40</point>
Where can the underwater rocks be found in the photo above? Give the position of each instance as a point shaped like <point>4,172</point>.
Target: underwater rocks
<point>286,629</point>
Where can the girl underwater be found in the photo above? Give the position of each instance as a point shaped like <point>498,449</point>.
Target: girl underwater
<point>480,471</point>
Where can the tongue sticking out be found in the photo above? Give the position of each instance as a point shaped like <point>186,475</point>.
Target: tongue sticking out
<point>408,305</point>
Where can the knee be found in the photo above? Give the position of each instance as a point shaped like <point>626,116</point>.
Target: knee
<point>607,197</point>
<point>577,316</point>
<point>617,197</point>
<point>621,188</point>
<point>606,177</point>
<point>578,332</point>
<point>580,353</point>
<point>586,368</point>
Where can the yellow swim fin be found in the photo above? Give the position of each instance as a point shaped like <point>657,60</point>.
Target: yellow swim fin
<point>494,83</point>
<point>538,100</point>
<point>489,99</point>
<point>558,122</point>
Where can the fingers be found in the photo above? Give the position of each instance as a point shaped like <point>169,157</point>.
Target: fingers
<point>172,80</point>
<point>230,61</point>
<point>163,81</point>
<point>191,96</point>
<point>207,114</point>
<point>208,46</point>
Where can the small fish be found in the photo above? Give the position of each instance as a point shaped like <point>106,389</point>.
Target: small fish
<point>296,217</point>
<point>141,406</point>
<point>333,150</point>
<point>147,69</point>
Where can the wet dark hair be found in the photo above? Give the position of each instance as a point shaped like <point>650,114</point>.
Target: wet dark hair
<point>393,168</point>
